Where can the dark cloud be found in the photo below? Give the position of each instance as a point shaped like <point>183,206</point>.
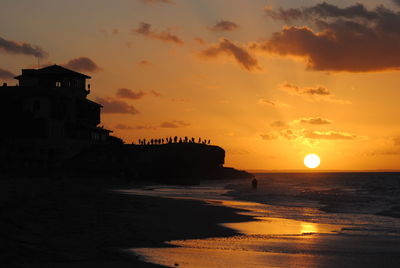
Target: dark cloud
<point>139,127</point>
<point>224,26</point>
<point>130,94</point>
<point>152,2</point>
<point>322,11</point>
<point>82,64</point>
<point>165,36</point>
<point>240,54</point>
<point>352,38</point>
<point>113,106</point>
<point>174,124</point>
<point>6,75</point>
<point>278,123</point>
<point>314,121</point>
<point>13,47</point>
<point>329,135</point>
<point>397,2</point>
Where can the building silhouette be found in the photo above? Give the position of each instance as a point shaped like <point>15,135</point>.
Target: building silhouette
<point>47,117</point>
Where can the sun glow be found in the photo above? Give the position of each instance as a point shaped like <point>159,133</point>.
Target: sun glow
<point>312,161</point>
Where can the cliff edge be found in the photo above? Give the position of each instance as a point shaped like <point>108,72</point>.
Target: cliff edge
<point>174,163</point>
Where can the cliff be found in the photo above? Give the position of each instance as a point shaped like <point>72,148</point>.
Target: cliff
<point>175,163</point>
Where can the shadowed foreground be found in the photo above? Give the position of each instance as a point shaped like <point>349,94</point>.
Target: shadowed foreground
<point>79,223</point>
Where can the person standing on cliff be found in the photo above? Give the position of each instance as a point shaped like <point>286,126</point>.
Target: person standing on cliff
<point>254,183</point>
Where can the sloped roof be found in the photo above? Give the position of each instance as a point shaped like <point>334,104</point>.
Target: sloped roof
<point>51,70</point>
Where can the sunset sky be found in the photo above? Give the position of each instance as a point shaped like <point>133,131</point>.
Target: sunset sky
<point>269,81</point>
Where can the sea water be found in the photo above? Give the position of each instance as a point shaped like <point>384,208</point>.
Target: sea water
<point>301,220</point>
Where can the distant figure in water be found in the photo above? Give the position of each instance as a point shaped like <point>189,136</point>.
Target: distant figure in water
<point>254,183</point>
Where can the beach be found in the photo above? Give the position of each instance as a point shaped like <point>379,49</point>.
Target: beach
<point>64,222</point>
<point>299,220</point>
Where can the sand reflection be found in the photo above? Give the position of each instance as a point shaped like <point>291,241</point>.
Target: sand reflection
<point>267,242</point>
<point>279,226</point>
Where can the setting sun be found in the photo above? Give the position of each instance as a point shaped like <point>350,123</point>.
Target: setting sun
<point>312,161</point>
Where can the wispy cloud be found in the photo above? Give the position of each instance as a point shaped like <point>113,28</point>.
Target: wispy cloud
<point>223,26</point>
<point>127,93</point>
<point>313,121</point>
<point>14,47</point>
<point>153,2</point>
<point>174,124</point>
<point>237,52</point>
<point>303,135</point>
<point>278,124</point>
<point>139,127</point>
<point>113,106</point>
<point>274,103</point>
<point>166,124</point>
<point>6,75</point>
<point>82,64</point>
<point>329,135</point>
<point>318,93</point>
<point>165,36</point>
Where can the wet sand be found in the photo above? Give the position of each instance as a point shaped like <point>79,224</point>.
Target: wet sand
<point>60,222</point>
<point>279,242</point>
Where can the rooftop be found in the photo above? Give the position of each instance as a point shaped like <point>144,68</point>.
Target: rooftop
<point>56,70</point>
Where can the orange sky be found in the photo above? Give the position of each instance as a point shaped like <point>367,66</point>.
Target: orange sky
<point>269,81</point>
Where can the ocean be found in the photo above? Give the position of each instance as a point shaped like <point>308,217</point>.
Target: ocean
<point>301,220</point>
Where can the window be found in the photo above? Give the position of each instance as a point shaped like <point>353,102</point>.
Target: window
<point>58,84</point>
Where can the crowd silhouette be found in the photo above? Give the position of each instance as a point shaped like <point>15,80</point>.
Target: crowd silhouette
<point>175,139</point>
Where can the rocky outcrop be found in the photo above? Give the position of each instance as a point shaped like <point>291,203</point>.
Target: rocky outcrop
<point>175,163</point>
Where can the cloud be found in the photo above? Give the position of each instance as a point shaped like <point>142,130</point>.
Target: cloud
<point>278,123</point>
<point>329,135</point>
<point>113,106</point>
<point>287,134</point>
<point>314,121</point>
<point>155,93</point>
<point>7,75</point>
<point>277,104</point>
<point>269,136</point>
<point>352,39</point>
<point>166,124</point>
<point>240,54</point>
<point>165,36</point>
<point>224,26</point>
<point>397,2</point>
<point>130,94</point>
<point>144,63</point>
<point>312,93</point>
<point>307,136</point>
<point>174,124</point>
<point>82,64</point>
<point>152,2</point>
<point>13,47</point>
<point>200,40</point>
<point>139,127</point>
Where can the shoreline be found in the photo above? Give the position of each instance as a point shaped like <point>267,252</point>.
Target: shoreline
<point>60,222</point>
